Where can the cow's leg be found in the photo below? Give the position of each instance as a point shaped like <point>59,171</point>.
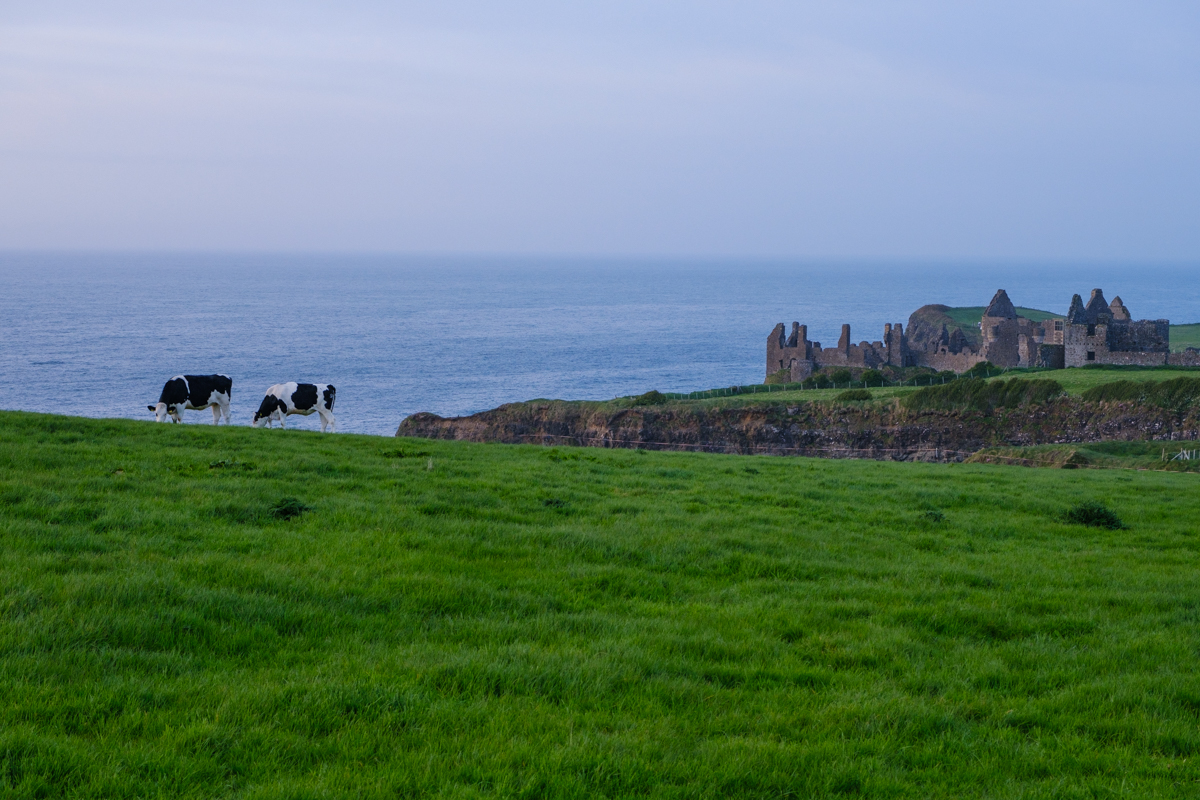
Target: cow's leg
<point>326,417</point>
<point>216,409</point>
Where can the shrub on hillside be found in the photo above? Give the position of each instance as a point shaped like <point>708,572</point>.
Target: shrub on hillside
<point>840,376</point>
<point>982,395</point>
<point>872,377</point>
<point>1117,390</point>
<point>853,395</point>
<point>650,398</point>
<point>289,507</point>
<point>1177,393</point>
<point>779,376</point>
<point>1096,515</point>
<point>981,370</point>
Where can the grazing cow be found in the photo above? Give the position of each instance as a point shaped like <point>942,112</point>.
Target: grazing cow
<point>194,392</point>
<point>284,399</point>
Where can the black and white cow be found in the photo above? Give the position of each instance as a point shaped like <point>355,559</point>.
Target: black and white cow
<point>285,399</point>
<point>194,392</point>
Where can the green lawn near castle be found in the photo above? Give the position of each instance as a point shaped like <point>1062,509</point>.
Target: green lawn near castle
<point>1185,336</point>
<point>461,620</point>
<point>972,315</point>
<point>1075,381</point>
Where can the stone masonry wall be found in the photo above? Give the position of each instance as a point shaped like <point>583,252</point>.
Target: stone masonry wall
<point>801,356</point>
<point>944,360</point>
<point>1147,336</point>
<point>1188,358</point>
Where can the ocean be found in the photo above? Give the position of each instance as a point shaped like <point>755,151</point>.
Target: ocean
<point>97,335</point>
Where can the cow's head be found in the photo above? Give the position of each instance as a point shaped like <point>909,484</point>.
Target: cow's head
<point>271,408</point>
<point>163,412</point>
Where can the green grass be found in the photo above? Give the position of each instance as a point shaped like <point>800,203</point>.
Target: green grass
<point>985,395</point>
<point>1074,381</point>
<point>971,315</point>
<point>459,620</point>
<point>1185,336</point>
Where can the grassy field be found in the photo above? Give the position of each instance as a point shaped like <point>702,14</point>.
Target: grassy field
<point>1185,336</point>
<point>1077,381</point>
<point>971,315</point>
<point>459,620</point>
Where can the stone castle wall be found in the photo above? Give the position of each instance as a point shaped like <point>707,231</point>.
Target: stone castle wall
<point>1098,333</point>
<point>801,357</point>
<point>1188,358</point>
<point>944,361</point>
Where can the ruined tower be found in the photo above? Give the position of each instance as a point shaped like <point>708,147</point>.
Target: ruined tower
<point>1100,333</point>
<point>1001,332</point>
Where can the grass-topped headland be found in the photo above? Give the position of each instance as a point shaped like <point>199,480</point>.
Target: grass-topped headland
<point>940,418</point>
<point>197,612</point>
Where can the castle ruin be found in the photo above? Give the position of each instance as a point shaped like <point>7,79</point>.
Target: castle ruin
<point>1096,333</point>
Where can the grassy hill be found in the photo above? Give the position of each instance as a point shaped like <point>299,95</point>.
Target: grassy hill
<point>198,612</point>
<point>971,315</point>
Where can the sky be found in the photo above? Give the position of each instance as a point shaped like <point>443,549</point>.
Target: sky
<point>929,130</point>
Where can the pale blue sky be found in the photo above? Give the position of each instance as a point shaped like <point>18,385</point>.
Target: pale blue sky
<point>1015,130</point>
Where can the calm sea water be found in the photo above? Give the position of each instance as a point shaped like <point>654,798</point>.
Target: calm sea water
<point>97,335</point>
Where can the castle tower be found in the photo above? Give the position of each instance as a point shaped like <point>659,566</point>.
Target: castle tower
<point>844,341</point>
<point>894,346</point>
<point>1077,314</point>
<point>1001,332</point>
<point>792,353</point>
<point>1097,308</point>
<point>1118,310</point>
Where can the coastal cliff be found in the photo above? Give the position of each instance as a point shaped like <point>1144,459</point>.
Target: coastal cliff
<point>830,429</point>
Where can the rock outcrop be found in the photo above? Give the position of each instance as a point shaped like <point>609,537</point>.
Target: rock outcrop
<point>930,327</point>
<point>815,429</point>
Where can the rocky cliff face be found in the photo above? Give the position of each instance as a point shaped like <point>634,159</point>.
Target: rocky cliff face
<point>813,429</point>
<point>926,324</point>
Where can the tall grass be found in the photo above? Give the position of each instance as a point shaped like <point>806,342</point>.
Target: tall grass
<point>1177,393</point>
<point>983,395</point>
<point>459,620</point>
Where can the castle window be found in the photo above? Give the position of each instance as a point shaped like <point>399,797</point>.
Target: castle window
<point>1091,356</point>
<point>1091,330</point>
<point>1058,325</point>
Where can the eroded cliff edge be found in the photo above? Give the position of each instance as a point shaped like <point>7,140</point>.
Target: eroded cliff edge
<point>879,430</point>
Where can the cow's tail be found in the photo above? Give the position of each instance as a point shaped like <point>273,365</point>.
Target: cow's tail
<point>330,396</point>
